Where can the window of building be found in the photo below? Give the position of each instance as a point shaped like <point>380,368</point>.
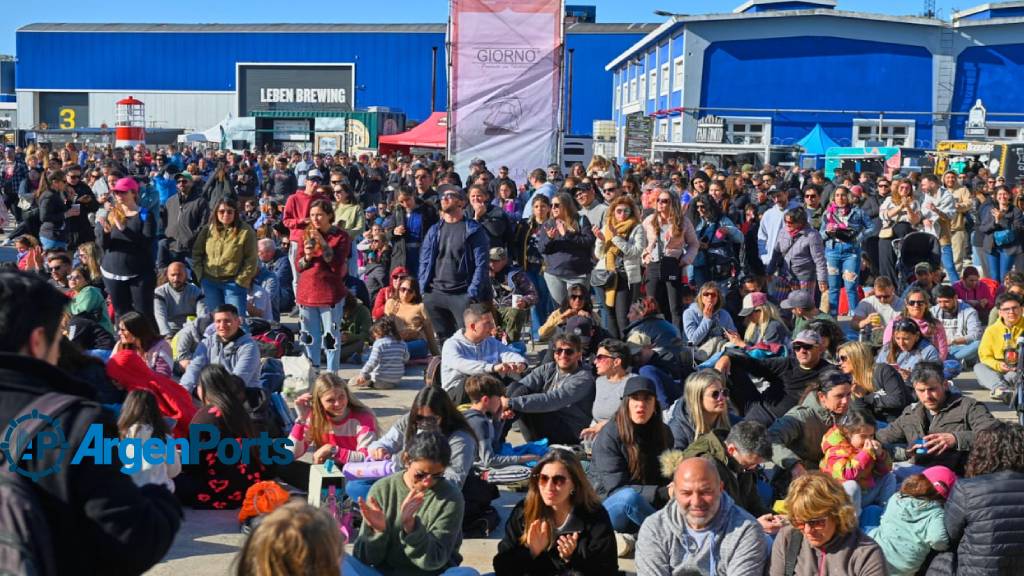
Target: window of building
<point>653,81</point>
<point>677,75</point>
<point>889,132</point>
<point>746,130</point>
<point>643,88</point>
<point>665,79</point>
<point>677,130</point>
<point>663,130</point>
<point>632,90</point>
<point>1005,130</point>
<point>617,95</point>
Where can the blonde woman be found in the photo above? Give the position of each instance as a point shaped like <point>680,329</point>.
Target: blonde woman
<point>703,408</point>
<point>89,258</point>
<point>878,388</point>
<point>763,322</point>
<point>671,246</point>
<point>820,511</point>
<point>620,245</point>
<point>566,242</point>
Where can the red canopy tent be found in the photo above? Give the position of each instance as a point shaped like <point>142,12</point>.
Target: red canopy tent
<point>431,133</point>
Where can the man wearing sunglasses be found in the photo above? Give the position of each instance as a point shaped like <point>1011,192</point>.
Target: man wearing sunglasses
<point>553,401</point>
<point>787,378</point>
<point>874,312</point>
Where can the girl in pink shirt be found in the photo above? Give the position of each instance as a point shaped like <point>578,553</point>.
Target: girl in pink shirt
<point>334,422</point>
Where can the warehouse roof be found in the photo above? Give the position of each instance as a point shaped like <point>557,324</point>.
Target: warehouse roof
<point>577,28</point>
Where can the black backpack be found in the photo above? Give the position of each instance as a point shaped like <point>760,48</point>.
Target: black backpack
<point>26,542</point>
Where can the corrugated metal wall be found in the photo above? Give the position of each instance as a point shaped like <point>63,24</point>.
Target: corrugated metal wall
<point>188,110</point>
<point>392,68</point>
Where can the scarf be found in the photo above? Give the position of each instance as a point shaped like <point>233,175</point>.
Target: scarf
<point>623,229</point>
<point>838,217</point>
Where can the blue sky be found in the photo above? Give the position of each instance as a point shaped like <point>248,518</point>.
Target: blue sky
<point>18,13</point>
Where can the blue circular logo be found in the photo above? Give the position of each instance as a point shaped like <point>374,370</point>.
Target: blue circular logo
<point>18,439</point>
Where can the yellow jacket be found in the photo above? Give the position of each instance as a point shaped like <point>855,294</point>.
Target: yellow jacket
<point>990,351</point>
<point>230,255</point>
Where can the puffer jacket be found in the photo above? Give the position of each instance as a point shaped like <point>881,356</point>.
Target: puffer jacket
<point>911,528</point>
<point>802,258</point>
<point>985,514</point>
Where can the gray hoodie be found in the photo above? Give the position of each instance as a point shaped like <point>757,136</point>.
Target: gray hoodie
<point>739,548</point>
<point>462,444</point>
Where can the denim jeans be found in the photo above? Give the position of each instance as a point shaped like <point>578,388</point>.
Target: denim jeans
<point>967,353</point>
<point>949,264</point>
<point>627,510</point>
<point>843,262</point>
<point>878,494</point>
<point>316,324</point>
<point>539,312</point>
<point>999,263</point>
<point>417,348</point>
<point>216,293</point>
<point>558,286</point>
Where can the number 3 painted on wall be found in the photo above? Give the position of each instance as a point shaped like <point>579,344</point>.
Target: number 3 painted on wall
<point>67,118</point>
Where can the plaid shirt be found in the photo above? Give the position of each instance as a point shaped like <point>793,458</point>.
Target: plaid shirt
<point>12,173</point>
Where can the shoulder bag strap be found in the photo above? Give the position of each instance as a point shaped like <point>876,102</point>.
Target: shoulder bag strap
<point>793,552</point>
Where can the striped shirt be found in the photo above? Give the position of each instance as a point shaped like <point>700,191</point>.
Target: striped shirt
<point>387,361</point>
<point>353,435</point>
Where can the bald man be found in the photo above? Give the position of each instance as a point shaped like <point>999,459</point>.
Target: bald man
<point>703,532</point>
<point>176,300</point>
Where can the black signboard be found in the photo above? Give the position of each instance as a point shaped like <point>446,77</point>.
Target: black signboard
<point>294,87</point>
<point>639,134</point>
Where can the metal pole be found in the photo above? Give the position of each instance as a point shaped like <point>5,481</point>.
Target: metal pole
<point>433,77</point>
<point>568,100</point>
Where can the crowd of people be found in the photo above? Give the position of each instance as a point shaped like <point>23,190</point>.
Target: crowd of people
<point>697,403</point>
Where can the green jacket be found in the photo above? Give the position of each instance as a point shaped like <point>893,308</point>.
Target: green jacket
<point>90,302</point>
<point>433,545</point>
<point>739,483</point>
<point>796,437</point>
<point>911,528</point>
<point>357,323</point>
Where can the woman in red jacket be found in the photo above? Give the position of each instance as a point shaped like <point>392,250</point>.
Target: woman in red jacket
<point>321,263</point>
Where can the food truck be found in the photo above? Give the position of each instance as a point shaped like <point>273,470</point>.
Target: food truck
<point>1004,159</point>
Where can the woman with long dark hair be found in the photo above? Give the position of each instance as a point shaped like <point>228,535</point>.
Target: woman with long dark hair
<point>625,467</point>
<point>1003,226</point>
<point>136,333</point>
<point>917,307</point>
<point>412,319</point>
<point>559,527</point>
<point>528,256</point>
<point>900,214</point>
<point>566,241</point>
<point>577,303</point>
<point>719,239</point>
<point>53,208</point>
<point>210,482</point>
<point>224,258</point>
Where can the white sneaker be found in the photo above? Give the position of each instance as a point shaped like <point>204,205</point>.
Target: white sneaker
<point>625,544</point>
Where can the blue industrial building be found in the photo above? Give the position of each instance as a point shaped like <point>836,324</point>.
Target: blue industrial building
<point>753,82</point>
<point>188,75</point>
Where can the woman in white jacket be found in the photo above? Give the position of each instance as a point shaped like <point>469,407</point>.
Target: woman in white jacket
<point>620,244</point>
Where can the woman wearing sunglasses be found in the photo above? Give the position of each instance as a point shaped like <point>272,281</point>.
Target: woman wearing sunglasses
<point>560,527</point>
<point>878,388</point>
<point>412,519</point>
<point>411,317</point>
<point>566,242</point>
<point>829,541</point>
<point>703,408</point>
<point>719,240</point>
<point>917,307</point>
<point>431,409</point>
<point>672,245</point>
<point>625,467</point>
<point>619,246</point>
<point>125,233</point>
<point>577,303</point>
<point>907,347</point>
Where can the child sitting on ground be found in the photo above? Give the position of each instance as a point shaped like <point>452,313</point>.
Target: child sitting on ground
<point>335,422</point>
<point>294,539</point>
<point>854,457</point>
<point>485,393</point>
<point>142,420</point>
<point>386,365</point>
<point>914,522</point>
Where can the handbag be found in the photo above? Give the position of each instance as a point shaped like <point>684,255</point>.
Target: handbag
<point>885,232</point>
<point>664,269</point>
<point>601,278</point>
<point>1004,237</point>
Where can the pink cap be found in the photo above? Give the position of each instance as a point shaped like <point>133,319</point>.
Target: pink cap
<point>752,301</point>
<point>942,478</point>
<point>126,185</point>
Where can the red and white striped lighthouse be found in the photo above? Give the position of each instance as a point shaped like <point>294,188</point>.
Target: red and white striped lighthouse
<point>130,129</point>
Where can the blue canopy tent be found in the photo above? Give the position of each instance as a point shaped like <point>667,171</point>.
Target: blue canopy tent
<point>815,143</point>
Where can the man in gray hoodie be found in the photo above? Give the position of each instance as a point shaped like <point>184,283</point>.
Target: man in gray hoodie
<point>703,532</point>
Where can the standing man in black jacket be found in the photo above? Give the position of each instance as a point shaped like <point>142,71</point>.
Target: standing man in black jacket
<point>99,521</point>
<point>187,212</point>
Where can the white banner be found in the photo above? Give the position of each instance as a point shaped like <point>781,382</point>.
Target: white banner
<point>506,83</point>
